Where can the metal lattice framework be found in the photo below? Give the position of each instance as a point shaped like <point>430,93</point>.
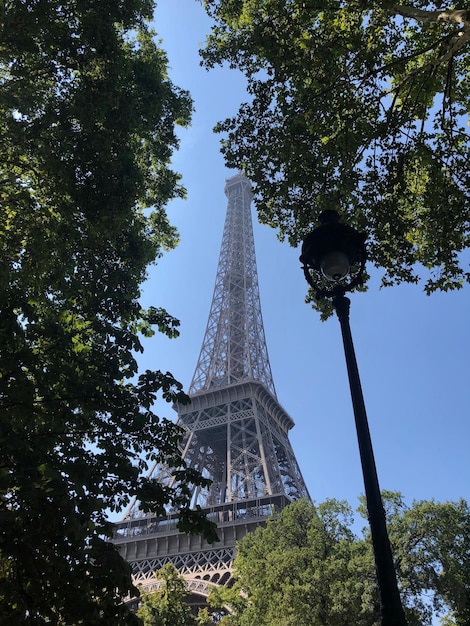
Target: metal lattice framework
<point>236,431</point>
<point>148,543</point>
<point>234,346</point>
<point>238,437</point>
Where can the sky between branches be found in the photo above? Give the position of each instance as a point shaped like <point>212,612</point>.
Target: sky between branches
<point>412,349</point>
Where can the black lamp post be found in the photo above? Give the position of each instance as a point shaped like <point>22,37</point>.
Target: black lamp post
<point>336,252</point>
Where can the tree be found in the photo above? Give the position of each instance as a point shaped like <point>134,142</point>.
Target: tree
<point>166,607</point>
<point>87,116</point>
<point>432,542</point>
<point>305,568</point>
<point>308,566</point>
<point>361,107</point>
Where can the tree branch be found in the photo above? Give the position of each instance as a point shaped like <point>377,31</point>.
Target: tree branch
<point>458,16</point>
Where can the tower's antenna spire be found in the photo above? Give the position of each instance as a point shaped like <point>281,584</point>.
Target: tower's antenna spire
<point>234,346</point>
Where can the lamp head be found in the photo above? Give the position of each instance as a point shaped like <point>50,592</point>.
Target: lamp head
<point>332,250</point>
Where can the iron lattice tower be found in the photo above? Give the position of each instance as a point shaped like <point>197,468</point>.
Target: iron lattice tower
<point>234,347</point>
<point>236,431</point>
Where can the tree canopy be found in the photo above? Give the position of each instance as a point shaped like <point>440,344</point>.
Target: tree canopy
<point>87,129</point>
<point>167,606</point>
<point>361,107</point>
<point>432,548</point>
<point>308,566</point>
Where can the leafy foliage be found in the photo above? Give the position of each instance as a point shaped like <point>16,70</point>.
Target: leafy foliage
<point>166,606</point>
<point>87,117</point>
<point>361,107</point>
<point>304,568</point>
<point>308,567</point>
<point>433,551</point>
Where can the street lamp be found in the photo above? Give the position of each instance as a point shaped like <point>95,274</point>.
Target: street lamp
<point>334,258</point>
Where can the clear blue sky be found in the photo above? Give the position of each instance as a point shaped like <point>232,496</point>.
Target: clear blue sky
<point>413,350</point>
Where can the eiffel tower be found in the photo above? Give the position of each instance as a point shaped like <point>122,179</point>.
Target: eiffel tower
<point>236,431</point>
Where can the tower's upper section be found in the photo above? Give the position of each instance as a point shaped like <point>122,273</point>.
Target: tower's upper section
<point>234,346</point>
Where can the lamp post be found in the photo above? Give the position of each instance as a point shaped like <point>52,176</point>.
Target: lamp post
<point>336,252</point>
